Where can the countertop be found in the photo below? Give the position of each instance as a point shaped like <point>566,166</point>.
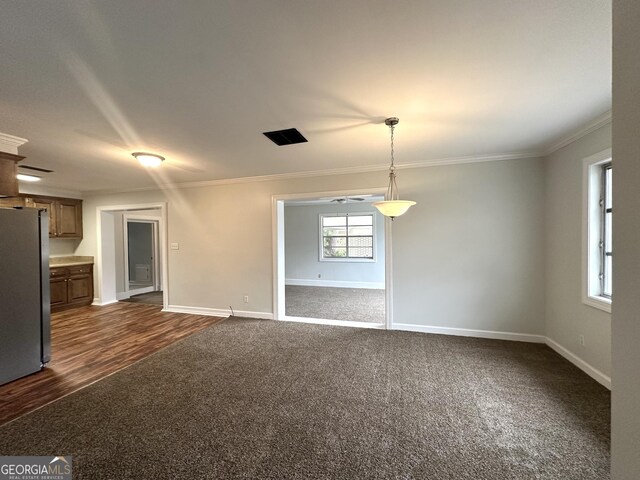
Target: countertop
<point>68,261</point>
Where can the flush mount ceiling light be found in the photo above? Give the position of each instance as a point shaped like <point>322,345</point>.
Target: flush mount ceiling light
<point>148,159</point>
<point>28,178</point>
<point>393,207</point>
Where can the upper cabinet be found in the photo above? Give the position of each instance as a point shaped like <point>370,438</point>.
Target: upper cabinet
<point>65,214</point>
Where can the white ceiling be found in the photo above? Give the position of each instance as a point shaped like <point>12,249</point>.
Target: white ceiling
<point>88,82</point>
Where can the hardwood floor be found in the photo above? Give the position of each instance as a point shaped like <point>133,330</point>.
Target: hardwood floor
<point>89,343</point>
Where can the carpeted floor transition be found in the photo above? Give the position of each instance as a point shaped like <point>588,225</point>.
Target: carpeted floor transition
<point>263,399</point>
<point>351,304</point>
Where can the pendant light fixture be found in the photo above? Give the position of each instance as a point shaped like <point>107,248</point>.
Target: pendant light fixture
<point>393,207</point>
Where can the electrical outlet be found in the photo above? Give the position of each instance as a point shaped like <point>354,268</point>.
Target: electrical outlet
<point>581,340</point>
<point>246,299</point>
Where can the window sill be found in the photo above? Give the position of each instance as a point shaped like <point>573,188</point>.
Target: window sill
<point>601,303</point>
<point>349,260</point>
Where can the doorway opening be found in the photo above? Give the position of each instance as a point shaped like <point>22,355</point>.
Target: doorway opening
<point>132,254</point>
<point>331,257</point>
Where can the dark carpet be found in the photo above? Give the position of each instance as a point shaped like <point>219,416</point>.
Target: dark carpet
<point>351,304</point>
<point>266,399</point>
<point>151,298</point>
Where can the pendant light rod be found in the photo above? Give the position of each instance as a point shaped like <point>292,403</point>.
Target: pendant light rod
<point>392,206</point>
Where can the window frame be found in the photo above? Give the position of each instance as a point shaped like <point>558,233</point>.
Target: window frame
<point>321,256</point>
<point>594,230</point>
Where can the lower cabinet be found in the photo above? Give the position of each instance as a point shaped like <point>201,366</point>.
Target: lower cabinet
<point>71,286</point>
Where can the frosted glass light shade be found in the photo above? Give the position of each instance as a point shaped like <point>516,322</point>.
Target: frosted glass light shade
<point>148,159</point>
<point>393,208</point>
<point>27,178</point>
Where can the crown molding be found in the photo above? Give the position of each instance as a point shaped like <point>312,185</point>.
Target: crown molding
<point>590,127</point>
<point>10,143</point>
<point>327,172</point>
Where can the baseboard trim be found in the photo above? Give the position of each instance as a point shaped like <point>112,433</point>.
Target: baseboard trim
<point>97,303</point>
<point>465,332</point>
<point>593,372</point>
<point>122,295</point>
<point>337,323</point>
<point>217,312</point>
<point>333,283</point>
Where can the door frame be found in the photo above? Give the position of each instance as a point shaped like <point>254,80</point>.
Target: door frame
<point>277,229</point>
<point>105,251</point>
<point>154,221</point>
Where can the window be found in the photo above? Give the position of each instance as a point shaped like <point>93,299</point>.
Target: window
<point>598,251</point>
<point>606,217</point>
<point>346,237</point>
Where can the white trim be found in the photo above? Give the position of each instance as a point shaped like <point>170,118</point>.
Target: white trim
<point>593,372</point>
<point>335,323</point>
<point>591,230</point>
<point>465,332</point>
<point>333,283</point>
<point>590,127</point>
<point>277,231</point>
<point>155,227</point>
<point>98,303</point>
<point>217,312</point>
<point>331,172</point>
<point>322,258</point>
<point>10,143</point>
<point>163,244</point>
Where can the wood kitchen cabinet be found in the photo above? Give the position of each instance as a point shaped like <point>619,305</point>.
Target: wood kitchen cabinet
<point>71,286</point>
<point>65,214</point>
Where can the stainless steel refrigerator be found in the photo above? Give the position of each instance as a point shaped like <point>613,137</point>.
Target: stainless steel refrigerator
<point>25,329</point>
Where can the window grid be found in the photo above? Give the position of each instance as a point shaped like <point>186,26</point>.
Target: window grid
<point>606,217</point>
<point>347,236</point>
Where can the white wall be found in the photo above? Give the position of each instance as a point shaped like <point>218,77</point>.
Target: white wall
<point>625,431</point>
<point>566,316</point>
<point>302,237</point>
<point>62,247</point>
<point>469,255</point>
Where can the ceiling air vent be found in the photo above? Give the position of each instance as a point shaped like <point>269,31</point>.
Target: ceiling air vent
<point>285,137</point>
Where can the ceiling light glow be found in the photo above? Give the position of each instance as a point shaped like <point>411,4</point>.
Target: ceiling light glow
<point>149,160</point>
<point>28,178</point>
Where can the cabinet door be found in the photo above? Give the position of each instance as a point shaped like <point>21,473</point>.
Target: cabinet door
<point>69,218</point>
<point>58,291</point>
<point>49,206</point>
<point>80,289</point>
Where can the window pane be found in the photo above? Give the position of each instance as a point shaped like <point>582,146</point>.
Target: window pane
<point>361,220</point>
<point>608,218</point>
<point>333,231</point>
<point>360,230</point>
<point>345,236</point>
<point>361,252</point>
<point>360,242</point>
<point>335,241</point>
<point>334,221</point>
<point>607,275</point>
<point>608,184</point>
